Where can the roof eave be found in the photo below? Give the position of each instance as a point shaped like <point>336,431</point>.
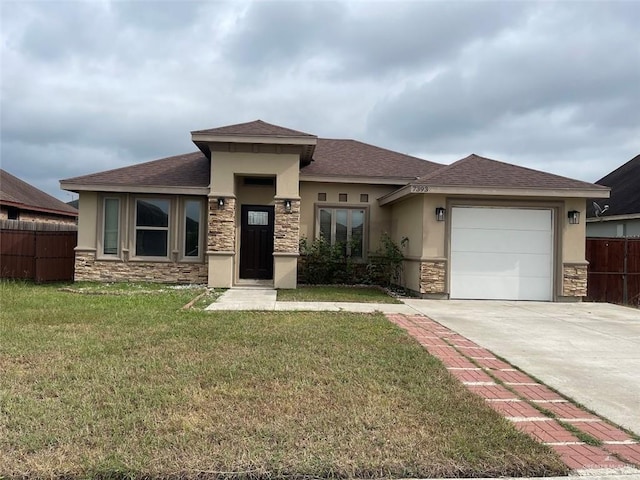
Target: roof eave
<point>613,218</point>
<point>161,189</point>
<point>494,191</point>
<point>307,144</point>
<point>355,179</point>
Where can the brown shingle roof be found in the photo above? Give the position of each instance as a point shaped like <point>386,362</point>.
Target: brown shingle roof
<point>257,128</point>
<point>625,190</point>
<point>352,158</point>
<point>476,171</point>
<point>17,193</point>
<point>187,170</point>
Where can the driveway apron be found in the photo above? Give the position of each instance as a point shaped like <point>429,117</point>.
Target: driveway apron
<point>588,351</point>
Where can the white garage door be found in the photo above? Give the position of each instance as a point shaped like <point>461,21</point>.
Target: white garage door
<point>501,253</point>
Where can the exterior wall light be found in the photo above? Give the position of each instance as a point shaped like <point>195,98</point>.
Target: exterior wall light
<point>220,203</point>
<point>287,206</point>
<point>574,217</point>
<point>440,214</point>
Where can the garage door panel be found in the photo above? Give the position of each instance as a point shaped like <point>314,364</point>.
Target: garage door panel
<point>475,287</point>
<point>508,241</point>
<point>501,253</point>
<point>490,264</point>
<point>511,218</point>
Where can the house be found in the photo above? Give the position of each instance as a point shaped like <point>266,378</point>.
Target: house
<point>233,213</point>
<point>620,215</point>
<point>21,201</point>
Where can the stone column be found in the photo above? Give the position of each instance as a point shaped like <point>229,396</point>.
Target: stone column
<point>221,242</point>
<point>574,280</point>
<point>285,244</point>
<point>432,277</point>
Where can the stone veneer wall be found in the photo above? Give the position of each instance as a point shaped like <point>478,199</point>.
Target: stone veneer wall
<point>432,276</point>
<point>574,280</point>
<point>221,235</point>
<point>90,269</point>
<point>286,228</point>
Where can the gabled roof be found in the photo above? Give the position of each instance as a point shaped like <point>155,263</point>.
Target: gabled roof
<point>624,182</point>
<point>351,158</point>
<point>187,170</point>
<point>257,128</point>
<point>477,171</point>
<point>17,193</point>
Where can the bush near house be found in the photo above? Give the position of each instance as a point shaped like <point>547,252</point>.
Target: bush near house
<point>324,264</point>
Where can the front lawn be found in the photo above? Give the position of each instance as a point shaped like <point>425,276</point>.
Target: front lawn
<point>130,386</point>
<point>341,293</point>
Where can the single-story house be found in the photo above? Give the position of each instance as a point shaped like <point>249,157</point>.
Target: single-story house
<point>22,201</point>
<point>233,213</point>
<point>620,215</point>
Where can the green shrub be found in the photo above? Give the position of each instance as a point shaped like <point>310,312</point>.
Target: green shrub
<point>323,264</point>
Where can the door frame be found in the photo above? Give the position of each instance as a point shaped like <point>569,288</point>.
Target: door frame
<point>244,209</point>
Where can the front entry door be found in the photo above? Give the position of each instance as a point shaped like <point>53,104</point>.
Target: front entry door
<point>256,242</point>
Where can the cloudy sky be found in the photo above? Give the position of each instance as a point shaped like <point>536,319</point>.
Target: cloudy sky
<point>98,84</point>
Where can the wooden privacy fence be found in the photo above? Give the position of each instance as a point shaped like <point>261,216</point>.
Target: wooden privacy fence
<point>37,251</point>
<point>614,270</point>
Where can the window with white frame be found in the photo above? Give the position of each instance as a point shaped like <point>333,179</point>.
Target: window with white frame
<point>192,228</point>
<point>111,226</point>
<point>344,227</point>
<point>152,227</point>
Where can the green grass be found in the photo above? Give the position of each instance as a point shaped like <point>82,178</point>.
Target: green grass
<point>341,293</point>
<point>131,386</point>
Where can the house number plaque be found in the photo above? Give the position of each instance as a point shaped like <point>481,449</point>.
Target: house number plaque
<point>419,188</point>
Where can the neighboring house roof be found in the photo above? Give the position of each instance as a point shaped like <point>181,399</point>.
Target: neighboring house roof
<point>624,182</point>
<point>352,158</point>
<point>257,128</point>
<point>477,171</point>
<point>18,193</point>
<point>187,170</point>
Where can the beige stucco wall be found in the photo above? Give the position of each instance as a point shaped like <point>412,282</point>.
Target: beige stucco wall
<point>379,218</point>
<point>407,222</point>
<point>573,236</point>
<point>87,220</point>
<point>226,165</point>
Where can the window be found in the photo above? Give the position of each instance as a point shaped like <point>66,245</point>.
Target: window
<point>364,197</point>
<point>111,230</point>
<point>152,227</point>
<point>342,197</point>
<point>344,227</point>
<point>192,216</point>
<point>12,213</point>
<point>322,197</point>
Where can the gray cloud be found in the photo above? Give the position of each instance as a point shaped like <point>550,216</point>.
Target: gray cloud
<point>93,85</point>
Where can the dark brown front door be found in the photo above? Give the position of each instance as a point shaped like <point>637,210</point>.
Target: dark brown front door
<point>256,242</point>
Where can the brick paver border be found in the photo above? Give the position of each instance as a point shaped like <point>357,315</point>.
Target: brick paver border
<point>533,407</point>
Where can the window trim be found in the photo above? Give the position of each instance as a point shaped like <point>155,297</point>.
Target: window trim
<point>342,206</point>
<point>135,228</point>
<point>102,200</point>
<point>183,230</point>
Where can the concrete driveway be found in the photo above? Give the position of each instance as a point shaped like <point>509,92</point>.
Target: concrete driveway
<point>588,351</point>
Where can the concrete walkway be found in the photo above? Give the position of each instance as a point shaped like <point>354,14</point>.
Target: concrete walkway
<point>255,298</point>
<point>588,351</point>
